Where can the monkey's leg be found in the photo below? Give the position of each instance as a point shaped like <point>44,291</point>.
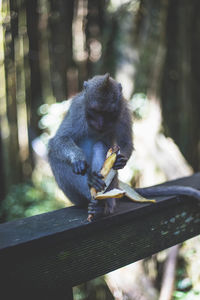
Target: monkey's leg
<point>111,202</point>
<point>75,187</point>
<point>99,150</point>
<point>107,206</point>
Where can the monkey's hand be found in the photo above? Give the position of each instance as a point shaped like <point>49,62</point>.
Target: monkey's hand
<point>120,162</point>
<point>95,181</point>
<point>80,167</point>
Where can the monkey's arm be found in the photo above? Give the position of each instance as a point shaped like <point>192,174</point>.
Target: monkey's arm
<point>63,147</point>
<point>124,138</point>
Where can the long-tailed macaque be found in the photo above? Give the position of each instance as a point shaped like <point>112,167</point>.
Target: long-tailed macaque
<point>98,118</point>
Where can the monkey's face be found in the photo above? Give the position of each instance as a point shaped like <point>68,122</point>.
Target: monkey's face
<point>103,102</point>
<point>101,120</point>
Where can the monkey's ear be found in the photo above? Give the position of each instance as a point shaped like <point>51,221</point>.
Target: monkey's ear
<point>106,79</point>
<point>120,86</point>
<point>105,82</point>
<point>85,84</point>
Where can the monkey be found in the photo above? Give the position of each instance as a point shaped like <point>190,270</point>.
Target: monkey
<point>98,118</point>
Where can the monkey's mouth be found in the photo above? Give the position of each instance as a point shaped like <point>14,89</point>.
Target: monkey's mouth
<point>99,129</point>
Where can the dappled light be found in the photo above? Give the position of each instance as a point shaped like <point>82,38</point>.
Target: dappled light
<point>48,49</point>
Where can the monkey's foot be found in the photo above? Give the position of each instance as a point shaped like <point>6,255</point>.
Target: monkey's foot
<point>109,206</point>
<point>98,209</point>
<point>95,210</point>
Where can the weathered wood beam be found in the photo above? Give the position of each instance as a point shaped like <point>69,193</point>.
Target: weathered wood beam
<point>52,251</point>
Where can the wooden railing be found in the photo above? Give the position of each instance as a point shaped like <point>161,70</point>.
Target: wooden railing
<point>44,256</point>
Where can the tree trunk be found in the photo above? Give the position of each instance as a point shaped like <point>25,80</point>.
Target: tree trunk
<point>150,20</point>
<point>180,86</point>
<point>35,75</point>
<point>14,167</point>
<point>2,168</point>
<point>60,45</point>
<point>95,26</point>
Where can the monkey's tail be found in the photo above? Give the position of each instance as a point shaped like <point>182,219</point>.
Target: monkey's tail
<point>151,192</point>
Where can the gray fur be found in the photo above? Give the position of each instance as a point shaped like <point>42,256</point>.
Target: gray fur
<point>75,140</point>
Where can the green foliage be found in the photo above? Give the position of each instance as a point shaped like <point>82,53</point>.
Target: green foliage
<point>191,295</point>
<point>187,273</point>
<point>27,199</point>
<point>93,289</point>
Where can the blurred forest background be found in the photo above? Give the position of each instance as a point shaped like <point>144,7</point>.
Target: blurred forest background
<point>47,50</point>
